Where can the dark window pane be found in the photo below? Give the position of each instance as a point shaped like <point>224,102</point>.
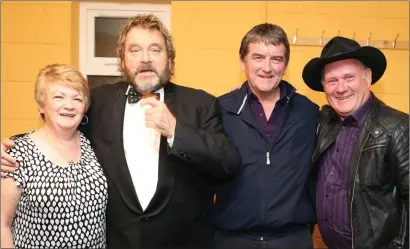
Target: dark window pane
<point>99,80</point>
<point>107,30</point>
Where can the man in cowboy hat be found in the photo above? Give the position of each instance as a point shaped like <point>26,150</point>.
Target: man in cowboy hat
<point>360,170</point>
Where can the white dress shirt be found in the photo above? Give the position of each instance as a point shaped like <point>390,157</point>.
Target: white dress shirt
<point>141,146</point>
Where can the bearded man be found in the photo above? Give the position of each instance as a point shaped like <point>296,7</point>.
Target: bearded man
<point>160,154</point>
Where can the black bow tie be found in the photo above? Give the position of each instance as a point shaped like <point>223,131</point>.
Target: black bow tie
<point>134,96</point>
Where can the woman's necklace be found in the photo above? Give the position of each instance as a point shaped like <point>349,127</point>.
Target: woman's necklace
<point>51,139</point>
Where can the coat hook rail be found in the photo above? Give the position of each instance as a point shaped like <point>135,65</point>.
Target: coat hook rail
<point>395,43</point>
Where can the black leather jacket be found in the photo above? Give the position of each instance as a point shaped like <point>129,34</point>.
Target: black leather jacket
<point>378,191</point>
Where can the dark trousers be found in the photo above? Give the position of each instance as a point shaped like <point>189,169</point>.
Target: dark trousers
<point>299,238</point>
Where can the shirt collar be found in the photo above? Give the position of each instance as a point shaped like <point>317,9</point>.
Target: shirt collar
<point>360,114</point>
<point>282,92</point>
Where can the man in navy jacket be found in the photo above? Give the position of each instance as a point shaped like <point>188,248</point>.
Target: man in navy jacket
<point>267,205</point>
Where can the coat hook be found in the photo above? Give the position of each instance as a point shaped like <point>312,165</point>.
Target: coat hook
<point>368,39</point>
<point>338,32</point>
<point>321,38</point>
<point>395,40</point>
<point>354,33</point>
<point>295,37</point>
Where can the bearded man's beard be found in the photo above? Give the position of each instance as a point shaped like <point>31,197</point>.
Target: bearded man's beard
<point>148,86</point>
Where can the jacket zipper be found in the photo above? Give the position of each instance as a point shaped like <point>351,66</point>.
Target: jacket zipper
<point>351,205</point>
<point>351,216</point>
<point>374,146</point>
<point>269,147</point>
<point>267,158</point>
<point>351,202</point>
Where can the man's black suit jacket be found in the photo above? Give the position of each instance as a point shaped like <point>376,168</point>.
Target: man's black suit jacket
<point>177,215</point>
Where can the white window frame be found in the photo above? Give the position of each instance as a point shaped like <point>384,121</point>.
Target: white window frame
<point>105,66</point>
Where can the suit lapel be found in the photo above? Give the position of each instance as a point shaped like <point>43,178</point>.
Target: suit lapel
<point>166,168</point>
<point>123,180</point>
<point>169,98</point>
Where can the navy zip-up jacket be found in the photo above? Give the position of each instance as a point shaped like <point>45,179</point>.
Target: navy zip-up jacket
<point>270,190</point>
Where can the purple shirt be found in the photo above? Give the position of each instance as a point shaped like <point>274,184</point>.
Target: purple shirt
<point>333,181</point>
<point>268,126</point>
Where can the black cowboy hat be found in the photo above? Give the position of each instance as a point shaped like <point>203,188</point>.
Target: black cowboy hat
<point>342,48</point>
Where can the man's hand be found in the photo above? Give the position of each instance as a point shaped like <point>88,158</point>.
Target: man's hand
<point>8,163</point>
<point>158,117</point>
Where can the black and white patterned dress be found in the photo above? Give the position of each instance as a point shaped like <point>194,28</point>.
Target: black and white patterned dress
<point>60,207</point>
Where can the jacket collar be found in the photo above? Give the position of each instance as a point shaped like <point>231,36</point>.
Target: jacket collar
<point>244,92</point>
<point>372,121</point>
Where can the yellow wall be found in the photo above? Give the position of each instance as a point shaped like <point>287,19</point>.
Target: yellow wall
<point>33,34</point>
<point>207,37</point>
<point>208,34</point>
<point>383,19</point>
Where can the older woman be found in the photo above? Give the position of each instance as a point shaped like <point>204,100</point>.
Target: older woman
<point>58,195</point>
